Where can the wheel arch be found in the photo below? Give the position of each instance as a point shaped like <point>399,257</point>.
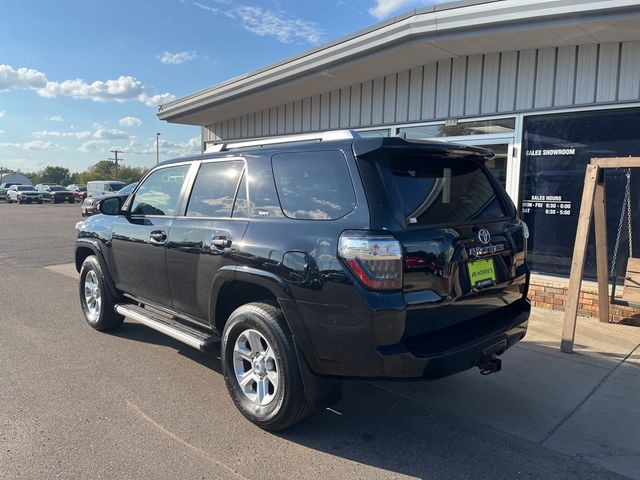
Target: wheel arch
<point>86,248</point>
<point>236,286</point>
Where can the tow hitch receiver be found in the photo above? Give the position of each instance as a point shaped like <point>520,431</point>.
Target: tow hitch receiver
<point>490,365</point>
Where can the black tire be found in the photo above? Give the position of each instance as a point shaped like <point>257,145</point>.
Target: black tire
<point>53,200</point>
<point>289,404</point>
<point>106,318</point>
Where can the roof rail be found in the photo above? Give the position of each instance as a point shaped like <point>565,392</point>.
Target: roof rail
<point>306,137</point>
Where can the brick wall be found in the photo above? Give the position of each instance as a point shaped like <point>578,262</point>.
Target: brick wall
<point>552,295</point>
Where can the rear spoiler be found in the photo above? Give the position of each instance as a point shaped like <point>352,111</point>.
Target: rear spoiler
<point>364,146</point>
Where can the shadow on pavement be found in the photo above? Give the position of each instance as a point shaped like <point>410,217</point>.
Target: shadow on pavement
<point>465,426</point>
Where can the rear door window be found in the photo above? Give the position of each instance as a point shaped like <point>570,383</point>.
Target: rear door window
<point>442,191</point>
<point>215,189</point>
<point>313,185</point>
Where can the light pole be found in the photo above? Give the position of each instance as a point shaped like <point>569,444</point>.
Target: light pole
<point>157,148</point>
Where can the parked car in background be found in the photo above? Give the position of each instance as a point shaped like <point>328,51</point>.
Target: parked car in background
<point>4,187</point>
<point>103,187</point>
<point>40,186</point>
<point>79,191</point>
<point>23,194</point>
<point>56,194</point>
<point>90,204</point>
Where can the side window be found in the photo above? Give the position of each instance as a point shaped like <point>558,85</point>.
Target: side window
<point>313,185</point>
<point>215,189</point>
<point>160,192</point>
<point>241,207</point>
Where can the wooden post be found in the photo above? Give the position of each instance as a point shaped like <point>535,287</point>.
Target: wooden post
<point>602,261</point>
<point>577,263</point>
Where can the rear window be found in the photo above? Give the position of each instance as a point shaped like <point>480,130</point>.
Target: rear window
<point>436,190</point>
<point>313,185</point>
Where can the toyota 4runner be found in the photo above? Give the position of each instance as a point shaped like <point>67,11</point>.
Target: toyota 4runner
<point>311,259</point>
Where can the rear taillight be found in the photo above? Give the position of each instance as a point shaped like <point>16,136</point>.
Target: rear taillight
<point>375,259</point>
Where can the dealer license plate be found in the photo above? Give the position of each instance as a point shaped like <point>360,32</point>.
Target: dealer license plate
<point>482,272</point>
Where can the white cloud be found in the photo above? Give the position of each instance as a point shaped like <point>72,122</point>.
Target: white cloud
<point>2,113</point>
<point>103,134</point>
<point>129,122</point>
<point>124,88</point>
<point>32,145</point>
<point>55,134</point>
<point>156,100</point>
<point>383,8</point>
<point>266,23</point>
<point>206,7</point>
<point>170,148</point>
<point>95,141</point>
<point>20,78</point>
<point>2,131</point>
<point>93,146</point>
<point>56,118</point>
<point>169,58</point>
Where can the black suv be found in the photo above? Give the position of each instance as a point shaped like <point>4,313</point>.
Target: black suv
<point>315,260</point>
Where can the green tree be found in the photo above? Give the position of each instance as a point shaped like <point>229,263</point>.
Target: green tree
<point>52,174</point>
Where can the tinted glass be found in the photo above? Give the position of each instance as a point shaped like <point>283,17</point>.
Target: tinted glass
<point>114,186</point>
<point>25,188</point>
<point>214,189</point>
<point>241,207</point>
<point>557,149</point>
<point>313,185</point>
<point>160,192</point>
<point>441,191</point>
<point>124,190</point>
<point>57,189</point>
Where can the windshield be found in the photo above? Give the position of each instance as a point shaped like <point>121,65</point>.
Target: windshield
<point>82,189</point>
<point>436,190</point>
<point>115,186</point>
<point>57,189</point>
<point>25,188</point>
<point>128,189</point>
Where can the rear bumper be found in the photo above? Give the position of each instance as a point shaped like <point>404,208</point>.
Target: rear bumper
<point>369,344</point>
<point>459,349</point>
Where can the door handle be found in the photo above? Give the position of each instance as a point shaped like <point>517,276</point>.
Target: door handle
<point>159,237</point>
<point>221,242</point>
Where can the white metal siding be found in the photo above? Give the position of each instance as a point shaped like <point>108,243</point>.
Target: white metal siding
<point>482,84</point>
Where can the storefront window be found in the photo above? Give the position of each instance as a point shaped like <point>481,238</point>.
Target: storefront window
<point>484,127</point>
<point>557,149</point>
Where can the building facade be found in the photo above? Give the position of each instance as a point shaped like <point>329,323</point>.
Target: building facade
<point>547,84</point>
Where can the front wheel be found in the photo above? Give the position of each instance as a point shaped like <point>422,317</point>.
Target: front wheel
<point>261,368</point>
<point>96,299</point>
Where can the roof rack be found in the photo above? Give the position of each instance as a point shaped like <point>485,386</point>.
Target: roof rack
<point>307,137</point>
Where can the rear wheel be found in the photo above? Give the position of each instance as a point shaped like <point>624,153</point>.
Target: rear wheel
<point>261,368</point>
<point>96,299</point>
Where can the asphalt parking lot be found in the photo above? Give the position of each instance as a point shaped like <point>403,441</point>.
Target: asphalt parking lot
<point>75,403</point>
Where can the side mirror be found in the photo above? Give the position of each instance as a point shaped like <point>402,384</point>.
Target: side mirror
<point>110,206</point>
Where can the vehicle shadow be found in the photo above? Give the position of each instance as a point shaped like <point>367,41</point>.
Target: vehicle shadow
<point>140,333</point>
<point>464,426</point>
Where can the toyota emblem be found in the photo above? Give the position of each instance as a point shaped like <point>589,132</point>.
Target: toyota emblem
<point>483,236</point>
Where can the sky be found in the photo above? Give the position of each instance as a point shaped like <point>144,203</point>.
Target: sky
<point>79,78</point>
